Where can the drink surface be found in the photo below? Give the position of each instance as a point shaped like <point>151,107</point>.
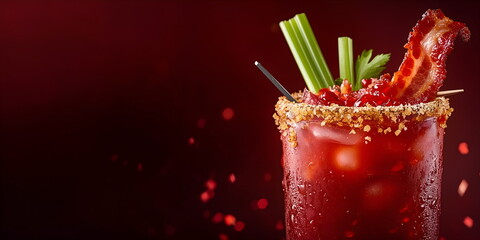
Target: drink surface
<point>371,184</point>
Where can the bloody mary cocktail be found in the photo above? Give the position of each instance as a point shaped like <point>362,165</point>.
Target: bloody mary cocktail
<point>362,154</point>
<point>362,173</point>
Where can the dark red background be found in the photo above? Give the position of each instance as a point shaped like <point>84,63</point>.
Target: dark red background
<point>87,82</point>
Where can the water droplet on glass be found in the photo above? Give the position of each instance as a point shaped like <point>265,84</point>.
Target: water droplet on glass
<point>301,189</point>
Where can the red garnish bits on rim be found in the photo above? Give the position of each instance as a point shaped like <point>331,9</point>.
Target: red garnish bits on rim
<point>375,92</point>
<point>419,77</point>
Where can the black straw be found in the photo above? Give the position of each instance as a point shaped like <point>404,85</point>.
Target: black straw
<point>275,82</point>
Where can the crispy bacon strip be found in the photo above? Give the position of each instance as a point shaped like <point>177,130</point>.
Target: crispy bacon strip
<point>422,71</point>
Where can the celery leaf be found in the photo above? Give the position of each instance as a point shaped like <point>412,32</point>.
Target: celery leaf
<point>365,69</point>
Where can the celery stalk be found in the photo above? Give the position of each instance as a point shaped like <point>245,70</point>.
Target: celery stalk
<point>345,59</point>
<point>307,53</point>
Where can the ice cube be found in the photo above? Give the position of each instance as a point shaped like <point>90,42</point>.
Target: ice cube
<point>346,158</point>
<point>335,134</point>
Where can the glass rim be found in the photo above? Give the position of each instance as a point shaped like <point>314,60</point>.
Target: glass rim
<point>288,113</point>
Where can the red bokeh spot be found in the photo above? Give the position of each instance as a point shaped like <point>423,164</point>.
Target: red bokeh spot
<point>207,195</point>
<point>279,225</point>
<point>463,148</point>
<point>217,218</point>
<point>393,230</point>
<point>232,178</point>
<point>399,166</point>
<point>227,113</point>
<point>139,167</point>
<point>230,220</point>
<point>349,234</point>
<point>222,236</point>
<point>169,230</point>
<point>210,184</point>
<point>404,209</point>
<point>191,141</point>
<point>462,187</point>
<point>267,177</point>
<point>114,157</point>
<point>204,197</point>
<point>262,203</point>
<point>468,221</point>
<point>239,226</point>
<point>201,123</point>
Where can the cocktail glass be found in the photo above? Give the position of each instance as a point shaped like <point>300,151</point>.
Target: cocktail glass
<point>362,172</point>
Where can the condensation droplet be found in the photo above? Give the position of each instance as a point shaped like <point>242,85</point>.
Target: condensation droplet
<point>301,189</point>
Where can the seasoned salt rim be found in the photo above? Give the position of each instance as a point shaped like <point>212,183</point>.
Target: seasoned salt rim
<point>288,113</point>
